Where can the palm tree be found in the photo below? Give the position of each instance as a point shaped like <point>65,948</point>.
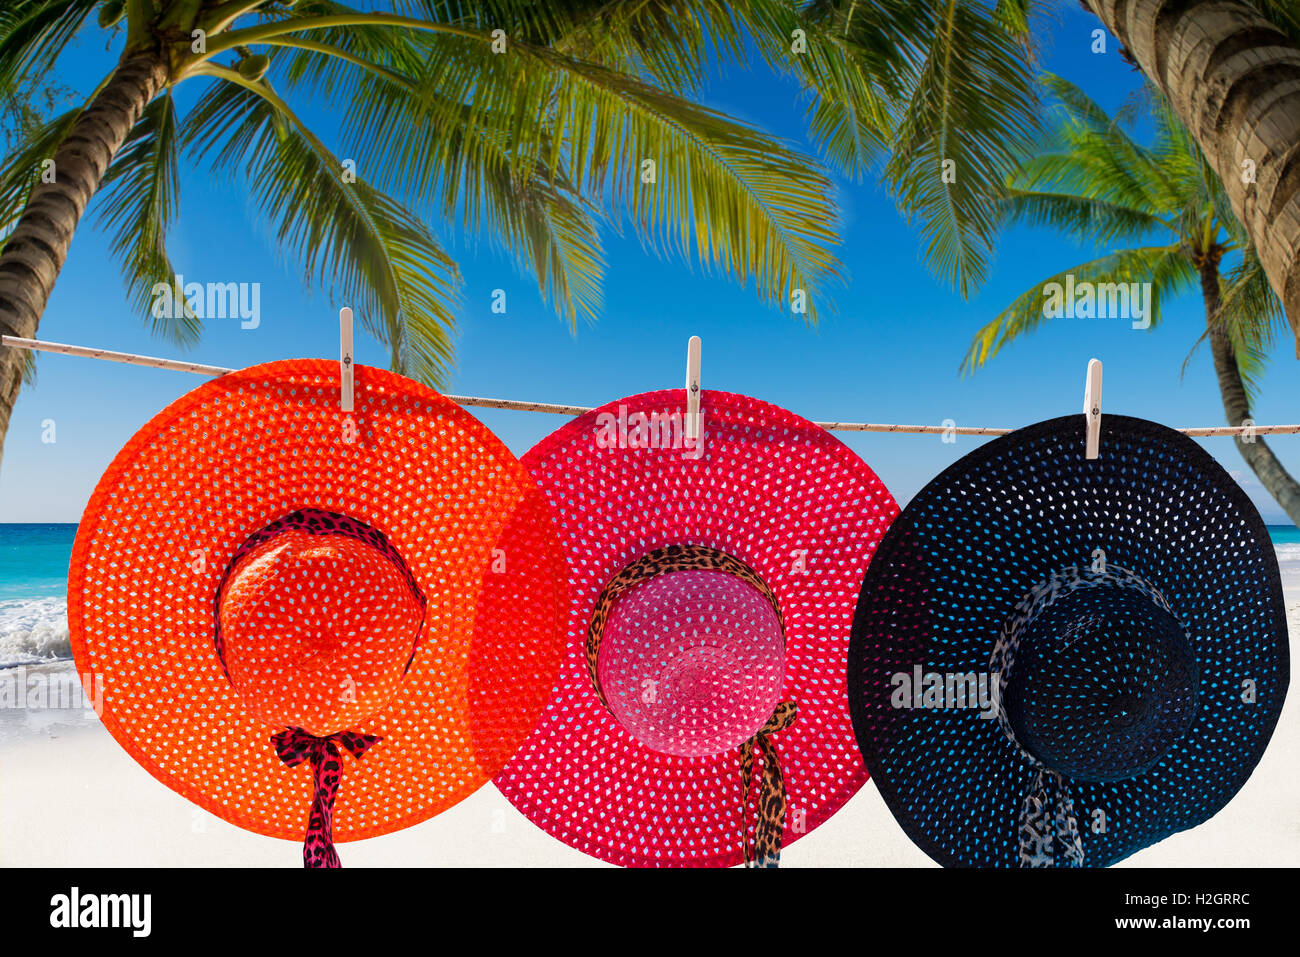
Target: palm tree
<point>530,120</point>
<point>1229,69</point>
<point>1163,214</point>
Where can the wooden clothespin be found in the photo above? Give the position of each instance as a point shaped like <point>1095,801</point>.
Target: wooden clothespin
<point>693,388</point>
<point>346,362</point>
<point>1092,409</point>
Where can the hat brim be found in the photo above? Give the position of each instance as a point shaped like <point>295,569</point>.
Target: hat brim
<point>975,541</point>
<point>769,488</point>
<point>245,449</point>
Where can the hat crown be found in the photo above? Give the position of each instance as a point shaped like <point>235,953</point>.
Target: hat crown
<point>318,618</point>
<point>692,663</point>
<point>1103,682</point>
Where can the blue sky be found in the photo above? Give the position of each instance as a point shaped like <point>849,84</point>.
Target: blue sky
<point>890,352</point>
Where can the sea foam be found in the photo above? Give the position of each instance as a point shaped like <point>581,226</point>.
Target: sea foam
<point>33,630</point>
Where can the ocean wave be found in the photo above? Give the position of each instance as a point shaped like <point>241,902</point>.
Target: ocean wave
<point>33,630</point>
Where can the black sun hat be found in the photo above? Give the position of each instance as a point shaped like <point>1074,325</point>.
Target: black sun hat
<point>1060,661</point>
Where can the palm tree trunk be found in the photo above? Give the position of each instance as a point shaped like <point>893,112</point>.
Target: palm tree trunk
<point>1234,81</point>
<point>38,246</point>
<point>1279,483</point>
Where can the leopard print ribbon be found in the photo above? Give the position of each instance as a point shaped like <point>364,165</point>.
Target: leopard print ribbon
<point>294,746</point>
<point>1047,820</point>
<point>769,829</point>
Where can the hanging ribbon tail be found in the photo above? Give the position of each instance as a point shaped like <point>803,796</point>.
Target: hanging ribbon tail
<point>769,826</point>
<point>1049,830</point>
<point>294,746</point>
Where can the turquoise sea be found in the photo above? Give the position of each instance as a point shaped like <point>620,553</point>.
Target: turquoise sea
<point>1284,534</point>
<point>34,560</point>
<point>33,592</point>
<point>34,581</point>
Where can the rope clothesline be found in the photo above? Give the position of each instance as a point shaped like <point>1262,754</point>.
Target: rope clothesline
<point>177,365</point>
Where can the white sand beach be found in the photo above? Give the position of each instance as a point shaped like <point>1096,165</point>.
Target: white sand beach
<point>70,797</point>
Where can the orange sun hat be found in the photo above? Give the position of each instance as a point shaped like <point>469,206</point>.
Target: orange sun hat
<point>310,620</point>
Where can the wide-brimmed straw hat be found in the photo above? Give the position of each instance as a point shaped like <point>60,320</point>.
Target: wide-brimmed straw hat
<point>276,594</point>
<point>1060,661</point>
<point>712,587</point>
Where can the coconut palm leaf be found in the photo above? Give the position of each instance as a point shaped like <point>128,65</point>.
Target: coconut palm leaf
<point>587,121</point>
<point>33,33</point>
<point>1093,153</point>
<point>722,191</point>
<point>1084,217</point>
<point>956,143</point>
<point>1090,179</point>
<point>1251,314</point>
<point>1014,15</point>
<point>1166,268</point>
<point>23,167</point>
<point>141,200</point>
<point>348,236</point>
<point>849,60</point>
<point>736,198</point>
<point>554,233</point>
<point>535,216</point>
<point>669,42</point>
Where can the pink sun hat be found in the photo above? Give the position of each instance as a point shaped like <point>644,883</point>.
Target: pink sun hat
<point>700,717</point>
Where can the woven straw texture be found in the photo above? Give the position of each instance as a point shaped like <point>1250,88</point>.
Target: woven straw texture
<point>770,489</point>
<point>244,450</point>
<point>972,545</point>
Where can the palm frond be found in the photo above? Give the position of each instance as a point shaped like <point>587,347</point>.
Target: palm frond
<point>1084,217</point>
<point>849,59</point>
<point>722,191</point>
<point>1092,154</point>
<point>537,217</point>
<point>33,33</point>
<point>22,168</point>
<point>553,232</point>
<point>1080,107</point>
<point>1252,316</point>
<point>970,113</point>
<point>669,42</point>
<point>361,244</point>
<point>1284,14</point>
<point>141,199</point>
<point>1013,15</point>
<point>1166,268</point>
